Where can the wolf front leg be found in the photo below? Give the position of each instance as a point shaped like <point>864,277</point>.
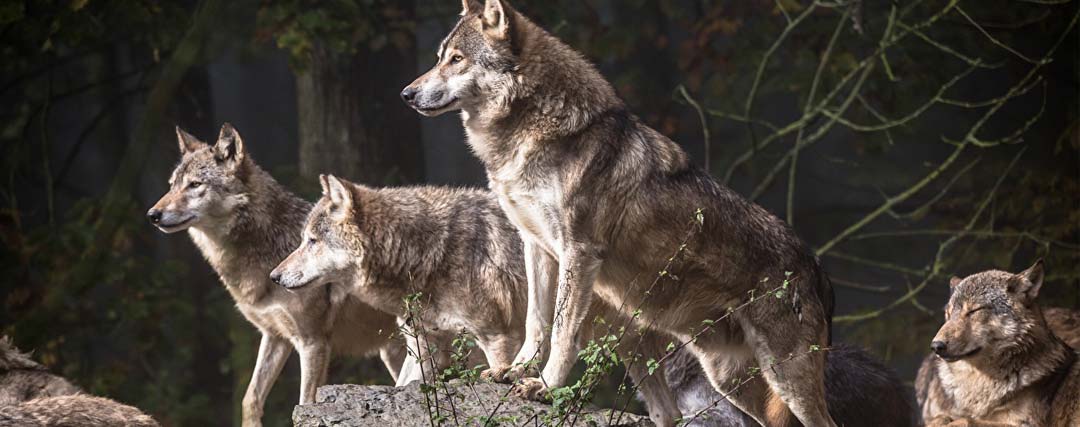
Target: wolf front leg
<point>273,352</point>
<point>541,272</point>
<point>314,361</point>
<point>578,265</point>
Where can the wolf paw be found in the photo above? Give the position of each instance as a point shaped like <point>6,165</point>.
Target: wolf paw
<point>519,371</point>
<point>496,375</point>
<point>532,389</point>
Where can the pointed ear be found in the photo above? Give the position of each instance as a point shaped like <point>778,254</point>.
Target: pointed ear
<point>229,146</point>
<point>470,6</point>
<point>188,143</point>
<point>496,19</point>
<point>324,184</point>
<point>341,196</point>
<point>1028,282</point>
<point>953,281</point>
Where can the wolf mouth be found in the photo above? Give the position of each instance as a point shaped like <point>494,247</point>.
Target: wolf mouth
<point>176,225</point>
<point>433,109</point>
<point>954,357</point>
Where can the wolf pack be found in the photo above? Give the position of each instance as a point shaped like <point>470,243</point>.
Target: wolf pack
<point>590,214</point>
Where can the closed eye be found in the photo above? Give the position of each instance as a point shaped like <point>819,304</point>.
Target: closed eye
<point>975,310</point>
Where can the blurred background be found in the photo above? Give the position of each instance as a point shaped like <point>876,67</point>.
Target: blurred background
<point>905,141</point>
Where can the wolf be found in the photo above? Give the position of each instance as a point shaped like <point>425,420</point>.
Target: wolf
<point>76,410</point>
<point>456,249</point>
<point>21,378</point>
<point>858,389</point>
<point>606,199</point>
<point>244,223</point>
<point>996,361</point>
<point>32,396</point>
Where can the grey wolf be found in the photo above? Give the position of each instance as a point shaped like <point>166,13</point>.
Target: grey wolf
<point>454,247</point>
<point>996,361</point>
<point>78,410</point>
<point>31,396</point>
<point>605,198</point>
<point>21,378</point>
<point>859,390</point>
<point>244,223</point>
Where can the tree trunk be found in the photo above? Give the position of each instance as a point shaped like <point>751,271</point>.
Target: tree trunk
<point>352,122</point>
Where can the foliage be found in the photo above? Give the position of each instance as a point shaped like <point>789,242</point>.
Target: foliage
<point>340,26</point>
<point>903,153</point>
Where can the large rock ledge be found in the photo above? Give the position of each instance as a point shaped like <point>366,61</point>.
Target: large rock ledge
<point>384,406</point>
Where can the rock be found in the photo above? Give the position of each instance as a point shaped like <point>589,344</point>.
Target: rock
<point>385,406</point>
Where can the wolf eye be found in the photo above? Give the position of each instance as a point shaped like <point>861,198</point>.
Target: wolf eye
<point>455,59</point>
<point>311,240</point>
<point>975,310</point>
<point>194,184</point>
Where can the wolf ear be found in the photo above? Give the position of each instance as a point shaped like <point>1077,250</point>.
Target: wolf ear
<point>324,184</point>
<point>340,194</point>
<point>953,281</point>
<point>470,6</point>
<point>188,143</point>
<point>496,19</point>
<point>1028,282</point>
<point>229,146</point>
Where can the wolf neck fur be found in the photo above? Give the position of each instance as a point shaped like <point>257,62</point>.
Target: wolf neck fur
<point>547,92</point>
<point>262,227</point>
<point>388,230</point>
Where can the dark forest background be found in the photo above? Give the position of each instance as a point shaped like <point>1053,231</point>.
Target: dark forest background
<point>905,141</point>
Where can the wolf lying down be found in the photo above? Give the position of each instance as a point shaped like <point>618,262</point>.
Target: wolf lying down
<point>457,248</point>
<point>31,396</point>
<point>998,359</point>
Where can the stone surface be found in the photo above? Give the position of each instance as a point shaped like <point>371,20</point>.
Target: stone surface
<point>387,406</point>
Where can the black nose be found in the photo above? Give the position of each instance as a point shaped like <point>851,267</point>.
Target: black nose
<point>154,215</point>
<point>409,94</point>
<point>275,277</point>
<point>938,347</point>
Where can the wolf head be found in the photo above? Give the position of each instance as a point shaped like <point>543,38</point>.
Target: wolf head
<point>330,244</point>
<point>476,59</point>
<point>989,314</point>
<point>206,187</point>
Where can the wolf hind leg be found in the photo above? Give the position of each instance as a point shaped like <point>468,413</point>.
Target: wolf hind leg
<point>792,362</point>
<point>729,369</point>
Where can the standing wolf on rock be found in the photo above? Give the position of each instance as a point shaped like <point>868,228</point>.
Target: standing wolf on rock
<point>244,223</point>
<point>454,247</point>
<point>604,197</point>
<point>996,361</point>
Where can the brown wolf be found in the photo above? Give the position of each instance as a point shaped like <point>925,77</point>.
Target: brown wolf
<point>77,410</point>
<point>996,361</point>
<point>454,247</point>
<point>21,378</point>
<point>244,223</point>
<point>31,396</point>
<point>604,197</point>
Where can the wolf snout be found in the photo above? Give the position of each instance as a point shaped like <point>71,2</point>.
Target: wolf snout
<point>409,94</point>
<point>275,276</point>
<point>154,215</point>
<point>939,347</point>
